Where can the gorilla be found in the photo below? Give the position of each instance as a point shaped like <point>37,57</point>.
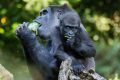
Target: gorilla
<point>65,37</point>
<point>75,40</point>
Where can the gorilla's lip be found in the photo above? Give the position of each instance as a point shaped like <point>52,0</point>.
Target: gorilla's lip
<point>40,24</point>
<point>68,37</point>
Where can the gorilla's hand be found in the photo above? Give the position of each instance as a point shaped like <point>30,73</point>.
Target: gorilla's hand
<point>77,67</point>
<point>24,33</point>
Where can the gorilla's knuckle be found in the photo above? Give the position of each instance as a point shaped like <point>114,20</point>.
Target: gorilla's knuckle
<point>21,30</point>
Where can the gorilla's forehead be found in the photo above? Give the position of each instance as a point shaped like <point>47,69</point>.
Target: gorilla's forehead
<point>62,8</point>
<point>52,9</point>
<point>55,7</point>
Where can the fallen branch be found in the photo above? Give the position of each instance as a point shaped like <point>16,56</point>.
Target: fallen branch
<point>66,73</point>
<point>5,74</point>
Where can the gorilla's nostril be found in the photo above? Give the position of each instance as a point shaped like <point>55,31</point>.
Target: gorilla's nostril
<point>71,33</point>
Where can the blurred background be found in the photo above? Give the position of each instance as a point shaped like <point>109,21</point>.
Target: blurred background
<point>101,19</point>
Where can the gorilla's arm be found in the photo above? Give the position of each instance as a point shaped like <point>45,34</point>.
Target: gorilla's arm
<point>61,55</point>
<point>85,46</point>
<point>76,64</point>
<point>33,50</point>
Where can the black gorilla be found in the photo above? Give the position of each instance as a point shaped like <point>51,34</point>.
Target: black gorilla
<point>75,41</point>
<point>65,38</point>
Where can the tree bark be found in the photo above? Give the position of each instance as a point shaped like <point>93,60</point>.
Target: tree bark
<point>5,74</point>
<point>66,73</point>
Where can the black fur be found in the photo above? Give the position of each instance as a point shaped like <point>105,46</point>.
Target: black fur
<point>45,60</point>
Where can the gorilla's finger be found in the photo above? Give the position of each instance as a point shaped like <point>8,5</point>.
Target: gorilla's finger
<point>25,24</point>
<point>17,30</point>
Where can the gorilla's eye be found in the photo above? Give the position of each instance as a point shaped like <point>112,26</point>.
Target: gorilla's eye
<point>66,28</point>
<point>69,27</point>
<point>44,12</point>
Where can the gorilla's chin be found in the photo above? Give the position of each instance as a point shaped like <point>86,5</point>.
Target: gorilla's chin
<point>70,41</point>
<point>42,36</point>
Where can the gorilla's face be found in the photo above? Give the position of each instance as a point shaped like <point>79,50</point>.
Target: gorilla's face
<point>69,33</point>
<point>69,28</point>
<point>49,20</point>
<point>44,19</point>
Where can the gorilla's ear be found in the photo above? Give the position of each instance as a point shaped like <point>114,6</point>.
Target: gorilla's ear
<point>65,5</point>
<point>82,27</point>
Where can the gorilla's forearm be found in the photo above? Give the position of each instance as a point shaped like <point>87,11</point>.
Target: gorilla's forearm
<point>61,55</point>
<point>39,56</point>
<point>32,47</point>
<point>86,50</point>
<point>38,53</point>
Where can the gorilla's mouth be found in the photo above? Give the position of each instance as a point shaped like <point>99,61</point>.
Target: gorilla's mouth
<point>38,22</point>
<point>34,26</point>
<point>69,40</point>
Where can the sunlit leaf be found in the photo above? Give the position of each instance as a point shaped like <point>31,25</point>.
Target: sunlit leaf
<point>14,26</point>
<point>1,30</point>
<point>3,20</point>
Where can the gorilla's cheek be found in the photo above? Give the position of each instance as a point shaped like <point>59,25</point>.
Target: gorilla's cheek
<point>43,32</point>
<point>69,39</point>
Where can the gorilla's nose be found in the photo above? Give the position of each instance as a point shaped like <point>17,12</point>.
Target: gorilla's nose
<point>70,33</point>
<point>38,19</point>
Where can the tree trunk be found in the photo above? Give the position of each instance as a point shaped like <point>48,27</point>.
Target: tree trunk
<point>66,73</point>
<point>5,74</point>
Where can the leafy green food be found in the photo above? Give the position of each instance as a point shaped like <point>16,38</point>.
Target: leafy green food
<point>33,27</point>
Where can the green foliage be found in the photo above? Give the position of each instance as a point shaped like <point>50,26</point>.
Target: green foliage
<point>101,18</point>
<point>1,78</point>
<point>108,58</point>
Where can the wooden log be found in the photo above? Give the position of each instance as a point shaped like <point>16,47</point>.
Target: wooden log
<point>66,73</point>
<point>5,74</point>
